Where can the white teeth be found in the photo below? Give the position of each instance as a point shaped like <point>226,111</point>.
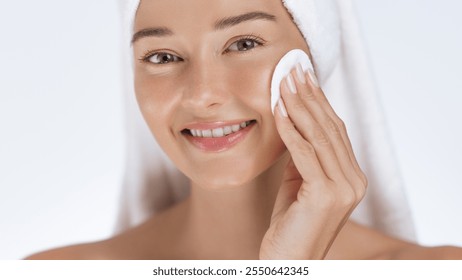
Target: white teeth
<point>219,132</point>
<point>227,130</point>
<point>207,133</point>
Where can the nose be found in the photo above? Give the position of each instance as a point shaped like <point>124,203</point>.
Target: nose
<point>205,90</point>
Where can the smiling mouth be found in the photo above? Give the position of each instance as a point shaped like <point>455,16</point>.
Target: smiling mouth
<point>218,132</point>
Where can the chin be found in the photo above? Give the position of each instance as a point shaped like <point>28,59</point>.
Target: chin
<point>222,183</point>
<point>222,176</point>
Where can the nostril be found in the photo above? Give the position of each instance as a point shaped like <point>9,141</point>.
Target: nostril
<point>204,96</point>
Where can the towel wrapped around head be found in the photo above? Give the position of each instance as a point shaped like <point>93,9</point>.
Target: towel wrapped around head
<point>152,183</point>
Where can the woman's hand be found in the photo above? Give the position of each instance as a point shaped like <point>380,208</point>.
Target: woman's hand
<point>322,183</point>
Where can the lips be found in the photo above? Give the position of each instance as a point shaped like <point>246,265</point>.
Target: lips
<point>217,137</point>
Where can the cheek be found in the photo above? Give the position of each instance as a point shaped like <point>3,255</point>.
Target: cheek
<point>156,103</point>
<point>251,83</point>
<point>254,90</point>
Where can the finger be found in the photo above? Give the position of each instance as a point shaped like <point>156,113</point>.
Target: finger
<point>307,90</point>
<point>324,103</point>
<point>310,130</point>
<point>301,151</point>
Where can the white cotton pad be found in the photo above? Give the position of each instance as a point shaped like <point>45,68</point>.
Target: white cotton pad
<point>285,65</point>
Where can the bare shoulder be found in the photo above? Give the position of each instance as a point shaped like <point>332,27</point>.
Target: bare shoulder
<point>356,241</point>
<point>134,243</point>
<point>139,242</point>
<point>86,251</point>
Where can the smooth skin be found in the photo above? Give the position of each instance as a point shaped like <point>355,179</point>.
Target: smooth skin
<point>287,190</point>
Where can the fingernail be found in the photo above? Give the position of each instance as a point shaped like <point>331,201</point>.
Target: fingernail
<point>313,78</point>
<point>282,108</point>
<point>300,74</point>
<point>291,84</point>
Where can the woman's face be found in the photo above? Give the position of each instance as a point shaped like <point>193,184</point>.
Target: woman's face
<point>204,67</point>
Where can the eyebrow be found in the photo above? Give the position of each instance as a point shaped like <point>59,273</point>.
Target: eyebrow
<point>235,20</point>
<point>152,32</point>
<point>219,25</point>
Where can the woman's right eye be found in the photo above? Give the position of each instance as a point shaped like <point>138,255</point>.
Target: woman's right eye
<point>162,58</point>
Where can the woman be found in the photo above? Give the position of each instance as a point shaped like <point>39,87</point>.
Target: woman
<point>262,186</point>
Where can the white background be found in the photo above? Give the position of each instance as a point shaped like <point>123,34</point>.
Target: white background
<point>61,140</point>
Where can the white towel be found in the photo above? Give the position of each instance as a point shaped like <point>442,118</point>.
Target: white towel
<point>152,182</point>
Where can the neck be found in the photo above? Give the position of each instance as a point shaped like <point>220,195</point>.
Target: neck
<point>231,223</point>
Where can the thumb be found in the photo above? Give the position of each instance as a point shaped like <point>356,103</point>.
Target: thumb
<point>291,182</point>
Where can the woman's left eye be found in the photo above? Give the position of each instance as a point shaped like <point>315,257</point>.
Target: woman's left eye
<point>244,45</point>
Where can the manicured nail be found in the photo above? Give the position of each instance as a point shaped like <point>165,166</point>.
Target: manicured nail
<point>313,78</point>
<point>291,84</point>
<point>300,74</point>
<point>282,108</point>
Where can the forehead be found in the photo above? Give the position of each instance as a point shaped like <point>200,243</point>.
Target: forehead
<point>189,13</point>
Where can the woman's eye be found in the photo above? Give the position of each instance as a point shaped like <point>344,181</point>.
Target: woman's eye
<point>163,58</point>
<point>244,45</point>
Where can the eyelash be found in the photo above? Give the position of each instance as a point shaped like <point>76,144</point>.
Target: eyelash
<point>256,39</point>
<point>260,42</point>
